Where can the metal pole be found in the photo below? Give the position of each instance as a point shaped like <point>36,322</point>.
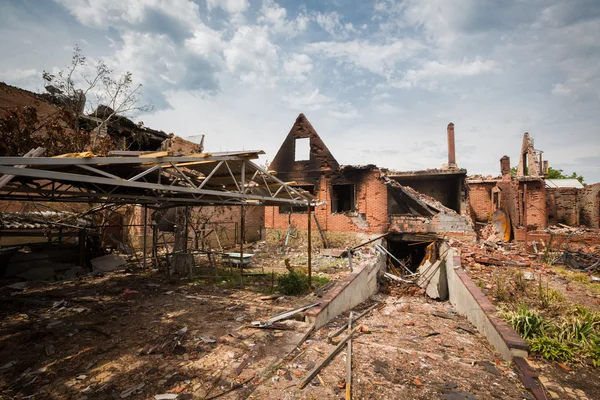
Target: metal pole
<point>525,212</point>
<point>242,238</point>
<point>145,234</point>
<point>309,250</point>
<point>82,248</point>
<point>154,244</point>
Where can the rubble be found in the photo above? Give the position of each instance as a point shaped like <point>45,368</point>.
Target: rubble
<point>107,263</point>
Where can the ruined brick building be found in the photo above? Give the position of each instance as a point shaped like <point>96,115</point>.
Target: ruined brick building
<point>529,200</point>
<point>367,198</point>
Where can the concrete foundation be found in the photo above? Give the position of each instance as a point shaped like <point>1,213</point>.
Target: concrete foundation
<point>432,277</point>
<point>470,301</point>
<point>346,294</point>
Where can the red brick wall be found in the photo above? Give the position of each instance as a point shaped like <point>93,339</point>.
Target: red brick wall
<point>562,206</point>
<point>511,202</point>
<point>480,200</point>
<point>536,204</point>
<point>589,206</point>
<point>371,201</point>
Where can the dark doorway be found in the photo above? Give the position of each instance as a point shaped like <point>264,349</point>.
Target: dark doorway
<point>411,253</point>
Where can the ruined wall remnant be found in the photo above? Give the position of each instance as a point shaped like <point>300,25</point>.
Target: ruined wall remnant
<point>445,186</point>
<point>589,206</point>
<point>530,162</point>
<point>483,199</point>
<point>562,206</point>
<point>303,171</point>
<point>451,147</point>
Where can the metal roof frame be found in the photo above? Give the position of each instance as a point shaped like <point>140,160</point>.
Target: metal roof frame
<point>228,178</point>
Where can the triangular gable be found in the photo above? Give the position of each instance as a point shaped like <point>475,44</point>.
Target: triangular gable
<point>320,156</point>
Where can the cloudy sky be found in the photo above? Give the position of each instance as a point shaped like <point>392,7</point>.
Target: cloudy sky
<point>379,80</point>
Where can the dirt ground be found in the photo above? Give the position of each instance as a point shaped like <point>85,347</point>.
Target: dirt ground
<point>137,335</point>
<point>410,353</point>
<point>498,281</point>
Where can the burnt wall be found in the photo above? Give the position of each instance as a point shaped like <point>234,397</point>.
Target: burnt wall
<point>480,200</point>
<point>307,171</point>
<point>589,206</point>
<point>511,202</point>
<point>369,216</point>
<point>562,206</point>
<point>447,189</point>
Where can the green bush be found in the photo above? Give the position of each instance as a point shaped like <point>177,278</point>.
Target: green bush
<point>577,331</point>
<point>527,322</point>
<point>551,349</point>
<point>293,283</point>
<point>593,352</point>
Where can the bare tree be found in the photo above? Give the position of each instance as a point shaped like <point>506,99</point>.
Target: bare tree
<point>98,95</point>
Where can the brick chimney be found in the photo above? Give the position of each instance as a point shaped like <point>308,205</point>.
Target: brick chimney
<point>505,166</point>
<point>451,149</point>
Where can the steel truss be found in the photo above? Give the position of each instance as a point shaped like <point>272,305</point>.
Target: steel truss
<point>204,179</point>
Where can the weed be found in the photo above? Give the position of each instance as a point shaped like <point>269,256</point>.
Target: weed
<point>500,291</point>
<point>576,331</point>
<point>585,314</point>
<point>550,348</point>
<point>318,281</point>
<point>580,277</point>
<point>549,298</point>
<point>293,283</point>
<point>520,282</point>
<point>527,322</point>
<point>593,352</point>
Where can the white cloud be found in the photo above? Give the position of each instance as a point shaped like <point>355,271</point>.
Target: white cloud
<point>380,59</point>
<point>311,100</point>
<point>252,57</point>
<point>233,7</point>
<point>332,24</point>
<point>275,17</point>
<point>26,78</point>
<point>298,66</point>
<point>345,111</point>
<point>388,109</point>
<point>119,13</point>
<point>432,72</point>
<point>206,43</point>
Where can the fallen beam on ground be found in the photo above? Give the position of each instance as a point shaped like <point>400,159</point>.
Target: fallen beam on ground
<point>359,316</point>
<point>396,278</point>
<point>349,361</point>
<point>283,315</point>
<point>326,361</point>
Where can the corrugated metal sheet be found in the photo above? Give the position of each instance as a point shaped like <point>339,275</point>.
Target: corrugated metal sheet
<point>563,183</point>
<point>43,220</point>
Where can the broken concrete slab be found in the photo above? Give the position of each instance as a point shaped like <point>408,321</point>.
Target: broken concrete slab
<point>107,263</point>
<point>334,252</point>
<point>433,278</point>
<point>41,273</point>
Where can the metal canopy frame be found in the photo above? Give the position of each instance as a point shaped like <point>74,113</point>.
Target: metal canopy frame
<point>229,178</point>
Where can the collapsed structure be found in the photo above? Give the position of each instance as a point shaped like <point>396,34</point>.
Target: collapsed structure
<point>529,201</point>
<point>405,217</point>
<point>369,199</point>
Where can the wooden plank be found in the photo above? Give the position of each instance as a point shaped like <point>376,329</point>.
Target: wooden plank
<point>359,316</point>
<point>349,361</point>
<point>158,154</point>
<point>326,361</point>
<point>84,154</point>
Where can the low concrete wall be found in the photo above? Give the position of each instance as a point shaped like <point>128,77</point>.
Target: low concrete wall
<point>470,301</point>
<point>346,294</point>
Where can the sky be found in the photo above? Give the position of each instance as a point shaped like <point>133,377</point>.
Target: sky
<point>379,80</point>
